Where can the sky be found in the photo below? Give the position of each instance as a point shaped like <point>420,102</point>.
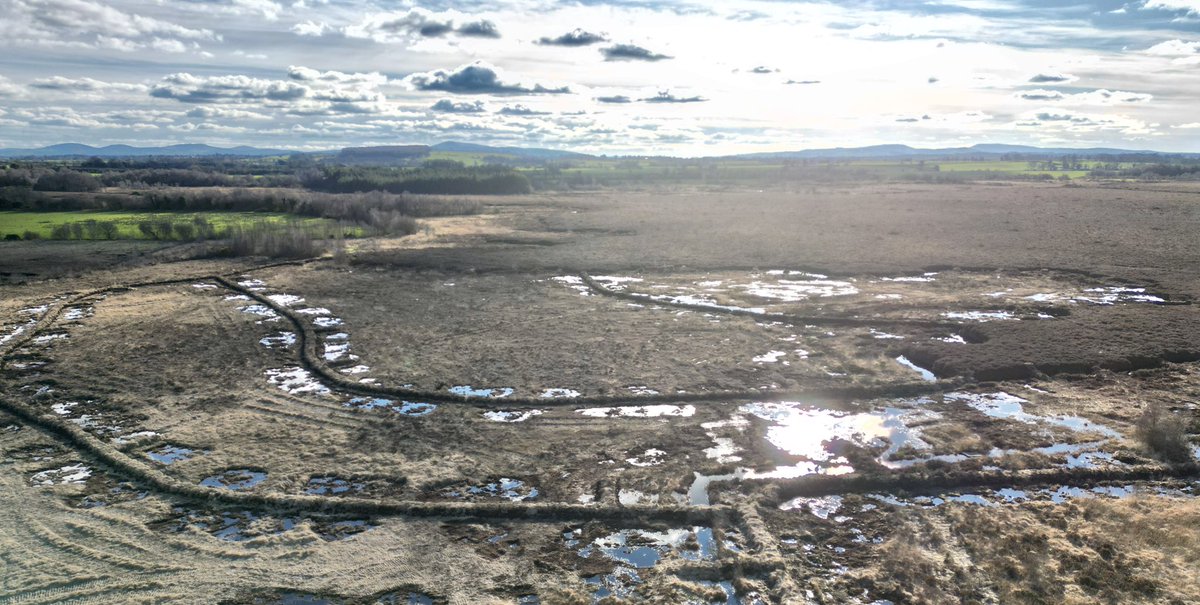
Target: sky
<point>664,77</point>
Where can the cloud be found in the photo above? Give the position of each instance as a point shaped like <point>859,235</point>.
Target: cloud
<point>803,82</point>
<point>615,99</point>
<point>1052,78</point>
<point>667,97</point>
<point>630,52</point>
<point>475,78</point>
<point>417,23</point>
<point>576,37</point>
<point>59,83</point>
<point>307,74</point>
<point>448,106</point>
<point>206,112</point>
<point>1188,6</point>
<point>762,69</point>
<point>1094,97</point>
<point>268,9</point>
<point>1174,48</point>
<point>188,88</point>
<point>521,110</point>
<point>1182,53</point>
<point>933,80</point>
<point>1060,117</point>
<point>311,28</point>
<point>91,24</point>
<point>242,53</point>
<point>479,29</point>
<point>1041,95</point>
<point>8,89</point>
<point>1188,125</point>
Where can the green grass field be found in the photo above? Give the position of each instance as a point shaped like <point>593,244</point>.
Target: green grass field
<point>43,223</point>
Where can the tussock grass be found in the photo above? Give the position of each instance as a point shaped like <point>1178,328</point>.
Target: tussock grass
<point>1164,433</point>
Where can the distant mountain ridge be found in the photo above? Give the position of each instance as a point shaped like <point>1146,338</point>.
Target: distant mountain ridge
<point>73,150</point>
<point>78,150</point>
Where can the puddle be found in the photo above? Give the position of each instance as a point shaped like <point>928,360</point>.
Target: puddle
<point>770,357</point>
<point>235,479</point>
<point>821,508</point>
<point>236,297</point>
<point>619,584</point>
<point>814,435</point>
<point>314,311</point>
<point>616,283</point>
<point>651,457</point>
<point>641,390</point>
<point>952,339</point>
<point>878,335</point>
<point>64,408</point>
<point>332,486</point>
<point>404,408</point>
<point>980,316</point>
<point>511,415</point>
<point>723,451</point>
<point>265,312</point>
<point>230,526</point>
<point>923,278</point>
<point>358,369</point>
<point>699,301</point>
<point>281,340</point>
<point>559,393</point>
<point>793,290</point>
<point>170,454</point>
<point>121,492</point>
<point>1057,495</point>
<point>334,352</point>
<point>296,381</point>
<point>285,300</point>
<point>1106,296</point>
<point>637,549</point>
<point>575,283</point>
<point>1010,407</point>
<point>469,391</point>
<point>134,437</point>
<point>204,286</point>
<point>78,313</point>
<point>926,375</point>
<point>640,411</point>
<point>327,322</point>
<point>48,338</point>
<point>631,497</point>
<point>513,490</point>
<point>1112,295</point>
<point>72,474</point>
<point>252,284</point>
<point>341,530</point>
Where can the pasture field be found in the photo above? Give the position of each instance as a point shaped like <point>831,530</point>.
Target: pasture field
<point>884,393</point>
<point>127,223</point>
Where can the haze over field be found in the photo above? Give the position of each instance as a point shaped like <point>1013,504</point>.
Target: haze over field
<point>655,76</point>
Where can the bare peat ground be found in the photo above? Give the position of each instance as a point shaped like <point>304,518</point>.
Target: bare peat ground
<point>739,408</point>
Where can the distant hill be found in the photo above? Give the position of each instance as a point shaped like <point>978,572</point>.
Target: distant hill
<point>77,150</point>
<point>903,151</point>
<point>524,152</point>
<point>409,155</point>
